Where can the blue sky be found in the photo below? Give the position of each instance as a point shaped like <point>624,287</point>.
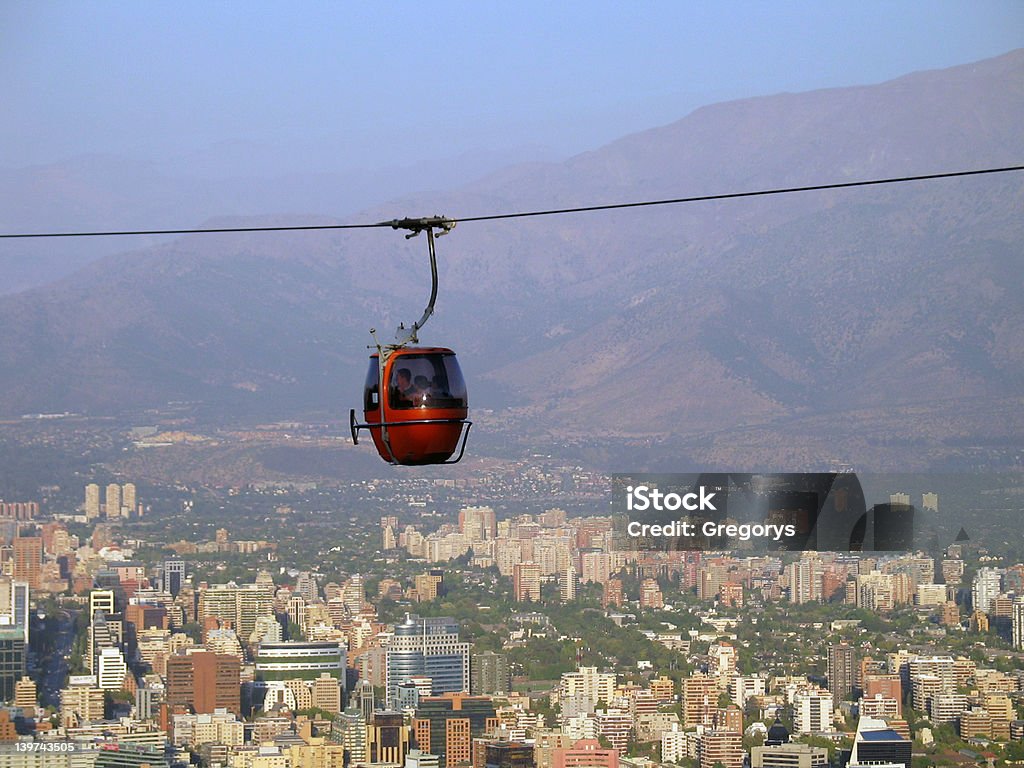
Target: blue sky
<point>283,87</point>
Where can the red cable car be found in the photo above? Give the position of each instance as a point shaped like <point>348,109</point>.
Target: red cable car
<point>423,417</point>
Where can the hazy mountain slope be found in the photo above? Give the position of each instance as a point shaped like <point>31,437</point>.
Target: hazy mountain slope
<point>666,321</point>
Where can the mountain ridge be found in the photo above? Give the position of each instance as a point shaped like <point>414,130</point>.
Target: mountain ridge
<point>737,312</point>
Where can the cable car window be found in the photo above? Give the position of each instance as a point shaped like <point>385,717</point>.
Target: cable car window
<point>432,380</point>
<point>371,400</point>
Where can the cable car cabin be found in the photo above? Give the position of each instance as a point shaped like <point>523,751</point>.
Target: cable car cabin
<point>421,418</point>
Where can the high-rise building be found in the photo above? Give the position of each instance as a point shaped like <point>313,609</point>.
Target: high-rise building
<point>81,701</point>
<point>128,499</point>
<point>350,730</point>
<point>111,669</point>
<point>305,660</point>
<point>113,505</point>
<point>526,582</point>
<point>613,593</point>
<point>387,738</point>
<point>14,605</point>
<point>92,501</point>
<point>812,711</point>
<point>25,696</point>
<point>886,686</point>
<point>28,560</point>
<point>239,604</point>
<point>717,747</point>
<point>12,661</point>
<point>204,681</point>
<point>842,662</point>
<point>366,699</point>
<point>489,674</point>
<point>805,579</point>
<point>428,585</point>
<point>568,584</point>
<point>700,700</point>
<point>985,588</point>
<point>877,744</point>
<point>173,576</point>
<point>1017,623</point>
<point>427,647</point>
<point>477,523</point>
<point>650,594</point>
<point>446,725</point>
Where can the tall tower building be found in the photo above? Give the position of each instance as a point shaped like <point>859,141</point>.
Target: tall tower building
<point>526,582</point>
<point>174,576</point>
<point>1017,623</point>
<point>204,681</point>
<point>490,673</point>
<point>28,560</point>
<point>842,661</point>
<point>812,711</point>
<point>427,647</point>
<point>128,500</point>
<point>985,588</point>
<point>387,738</point>
<point>804,580</point>
<point>92,501</point>
<point>113,505</point>
<point>568,584</point>
<point>14,605</point>
<point>366,703</point>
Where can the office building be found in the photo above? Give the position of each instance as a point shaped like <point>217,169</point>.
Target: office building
<point>14,605</point>
<point>789,756</point>
<point>28,560</point>
<point>508,754</point>
<point>427,647</point>
<point>173,576</point>
<point>876,744</point>
<point>12,661</point>
<point>446,725</point>
<point>203,682</point>
<point>111,669</point>
<point>387,738</point>
<point>350,730</point>
<point>300,660</point>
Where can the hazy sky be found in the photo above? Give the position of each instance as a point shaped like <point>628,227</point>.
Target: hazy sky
<point>210,87</point>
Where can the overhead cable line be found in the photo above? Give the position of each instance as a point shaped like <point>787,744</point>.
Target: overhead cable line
<point>405,223</point>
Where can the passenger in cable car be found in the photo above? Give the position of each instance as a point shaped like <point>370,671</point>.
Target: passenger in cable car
<point>402,390</point>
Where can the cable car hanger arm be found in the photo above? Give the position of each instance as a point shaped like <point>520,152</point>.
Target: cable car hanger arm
<point>405,335</point>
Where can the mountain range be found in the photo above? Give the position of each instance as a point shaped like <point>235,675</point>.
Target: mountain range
<point>850,324</point>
